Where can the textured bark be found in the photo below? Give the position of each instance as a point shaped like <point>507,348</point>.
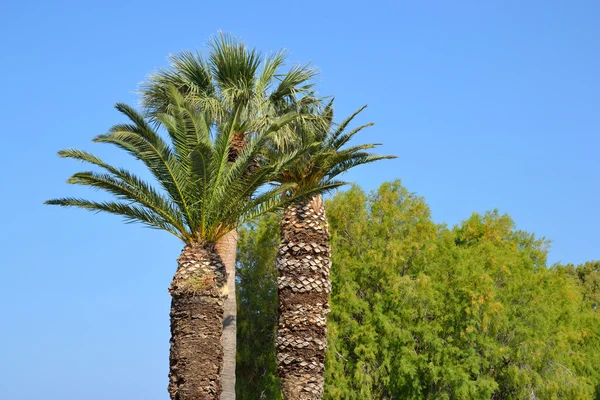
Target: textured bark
<point>197,291</point>
<point>303,263</point>
<point>238,143</point>
<point>226,247</point>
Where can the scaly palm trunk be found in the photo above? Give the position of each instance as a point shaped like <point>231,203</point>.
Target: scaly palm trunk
<point>303,263</point>
<point>226,247</point>
<point>197,291</point>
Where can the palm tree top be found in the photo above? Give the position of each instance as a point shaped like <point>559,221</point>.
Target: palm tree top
<point>326,156</point>
<point>232,79</point>
<point>200,194</point>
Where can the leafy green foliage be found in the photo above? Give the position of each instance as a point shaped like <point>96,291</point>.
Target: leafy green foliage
<point>201,195</point>
<point>421,311</point>
<point>587,278</point>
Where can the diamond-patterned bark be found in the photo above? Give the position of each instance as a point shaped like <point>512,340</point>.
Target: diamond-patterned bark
<point>303,263</point>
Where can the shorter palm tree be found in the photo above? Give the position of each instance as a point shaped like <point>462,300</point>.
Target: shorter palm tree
<point>200,197</point>
<point>303,258</point>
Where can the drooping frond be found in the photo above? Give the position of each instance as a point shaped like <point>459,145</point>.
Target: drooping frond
<point>131,212</point>
<point>145,144</point>
<point>125,185</point>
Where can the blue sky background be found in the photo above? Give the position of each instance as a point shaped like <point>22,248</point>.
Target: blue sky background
<point>488,105</point>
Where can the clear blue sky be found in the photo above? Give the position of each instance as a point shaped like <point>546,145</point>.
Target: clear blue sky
<point>488,105</point>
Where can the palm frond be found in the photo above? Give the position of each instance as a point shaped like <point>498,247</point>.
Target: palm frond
<point>347,164</point>
<point>233,65</point>
<point>201,186</point>
<point>145,144</point>
<point>270,67</point>
<point>189,74</point>
<point>125,185</point>
<point>342,126</point>
<point>195,71</point>
<point>265,203</point>
<point>316,188</point>
<point>140,193</point>
<point>340,140</point>
<point>131,213</point>
<point>294,83</point>
<point>186,127</point>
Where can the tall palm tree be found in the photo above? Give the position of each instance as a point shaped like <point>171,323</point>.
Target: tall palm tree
<point>234,80</point>
<point>303,258</point>
<point>200,197</point>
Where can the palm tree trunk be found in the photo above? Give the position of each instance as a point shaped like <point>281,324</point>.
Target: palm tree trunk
<point>226,247</point>
<point>303,263</point>
<point>197,291</point>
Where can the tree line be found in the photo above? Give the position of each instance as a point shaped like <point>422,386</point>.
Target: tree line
<point>421,310</point>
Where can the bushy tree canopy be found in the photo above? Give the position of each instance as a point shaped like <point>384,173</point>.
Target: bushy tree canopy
<point>423,311</point>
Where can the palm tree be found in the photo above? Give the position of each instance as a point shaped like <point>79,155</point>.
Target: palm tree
<point>200,197</point>
<point>233,80</point>
<point>303,258</point>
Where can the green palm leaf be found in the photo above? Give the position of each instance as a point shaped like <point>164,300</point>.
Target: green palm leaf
<point>324,156</point>
<point>131,213</point>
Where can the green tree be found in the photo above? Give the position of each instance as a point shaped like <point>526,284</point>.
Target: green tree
<point>587,277</point>
<point>200,197</point>
<point>380,243</point>
<point>234,82</point>
<point>423,311</point>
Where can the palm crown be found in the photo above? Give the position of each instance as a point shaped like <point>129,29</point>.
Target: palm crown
<point>202,195</point>
<point>324,157</point>
<point>235,80</point>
